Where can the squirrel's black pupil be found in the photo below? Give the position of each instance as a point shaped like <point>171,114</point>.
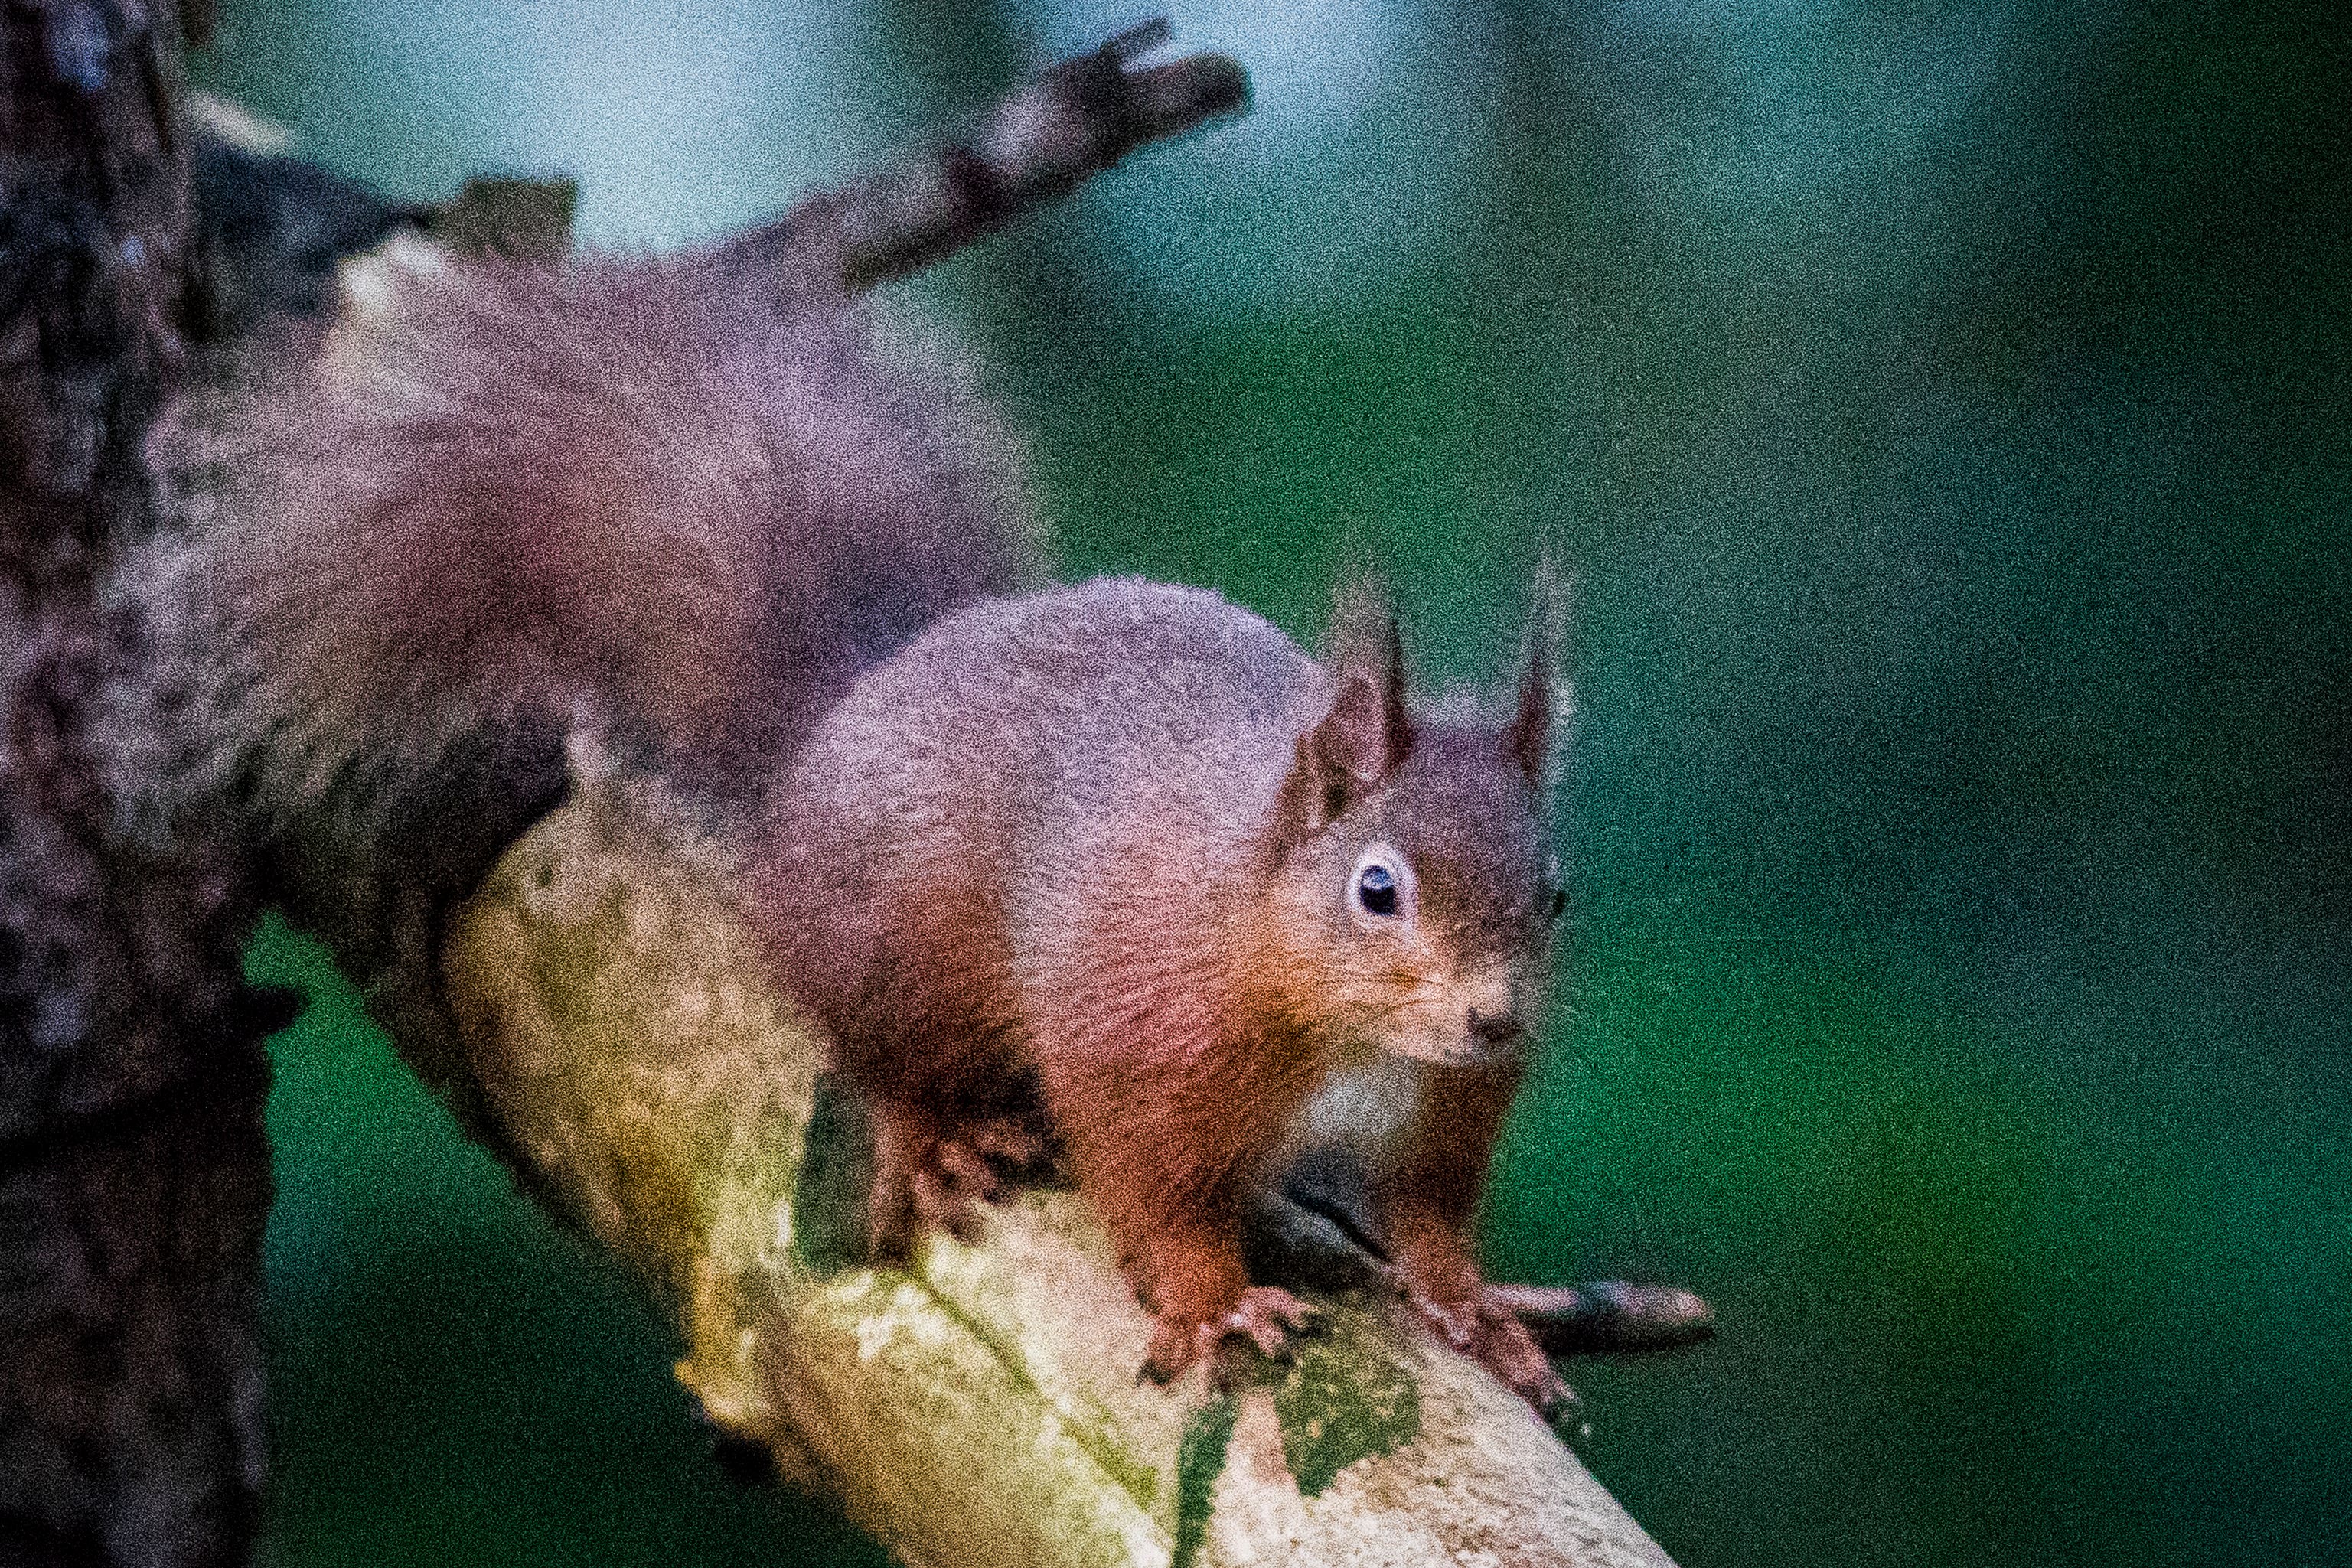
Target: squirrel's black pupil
<point>1376,888</point>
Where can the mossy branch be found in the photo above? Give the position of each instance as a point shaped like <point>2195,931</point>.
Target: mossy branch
<point>979,1406</point>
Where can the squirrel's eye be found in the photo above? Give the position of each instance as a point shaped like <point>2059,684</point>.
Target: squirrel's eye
<point>1380,888</point>
<point>1555,900</point>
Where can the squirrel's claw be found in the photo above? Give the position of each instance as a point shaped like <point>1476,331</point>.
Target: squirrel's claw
<point>967,1172</point>
<point>1266,1317</point>
<point>1006,1143</point>
<point>1455,1323</point>
<point>939,1203</point>
<point>1490,1332</point>
<point>924,1180</point>
<point>1263,1317</point>
<point>1175,1346</point>
<point>1511,1353</point>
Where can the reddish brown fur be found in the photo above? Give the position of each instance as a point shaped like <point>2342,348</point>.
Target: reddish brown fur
<point>1429,1202</point>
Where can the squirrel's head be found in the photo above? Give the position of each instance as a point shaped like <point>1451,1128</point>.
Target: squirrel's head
<point>1413,872</point>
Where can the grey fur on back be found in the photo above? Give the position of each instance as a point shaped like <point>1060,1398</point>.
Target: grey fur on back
<point>652,497</point>
<point>1040,710</point>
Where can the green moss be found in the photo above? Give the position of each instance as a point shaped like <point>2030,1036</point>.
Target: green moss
<point>1200,1460</point>
<point>1342,1400</point>
<point>1138,1480</point>
<point>830,1191</point>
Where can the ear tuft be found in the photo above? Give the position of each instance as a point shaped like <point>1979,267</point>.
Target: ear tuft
<point>1366,646</point>
<point>1527,740</point>
<point>1351,747</point>
<point>1367,732</point>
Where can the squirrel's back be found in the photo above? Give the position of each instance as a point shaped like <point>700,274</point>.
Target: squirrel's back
<point>650,494</point>
<point>1113,698</point>
<point>1020,767</point>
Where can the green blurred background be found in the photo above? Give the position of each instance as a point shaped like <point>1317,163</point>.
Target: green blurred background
<point>1943,411</point>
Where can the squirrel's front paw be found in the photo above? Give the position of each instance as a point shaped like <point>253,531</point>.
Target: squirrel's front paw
<point>1264,1316</point>
<point>1511,1353</point>
<point>1490,1332</point>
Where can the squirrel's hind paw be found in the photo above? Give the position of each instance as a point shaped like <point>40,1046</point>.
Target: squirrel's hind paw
<point>938,1181</point>
<point>1012,1145</point>
<point>943,1200</point>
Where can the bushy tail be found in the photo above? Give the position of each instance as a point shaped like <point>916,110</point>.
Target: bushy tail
<point>675,503</point>
<point>663,498</point>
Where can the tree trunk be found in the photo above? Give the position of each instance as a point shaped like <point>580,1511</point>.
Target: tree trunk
<point>134,1176</point>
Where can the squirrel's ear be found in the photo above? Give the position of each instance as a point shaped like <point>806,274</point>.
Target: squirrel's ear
<point>1526,740</point>
<point>1366,733</point>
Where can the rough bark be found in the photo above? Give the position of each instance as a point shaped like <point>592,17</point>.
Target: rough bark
<point>134,1178</point>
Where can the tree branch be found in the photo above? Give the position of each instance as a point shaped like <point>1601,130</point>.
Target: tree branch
<point>979,1406</point>
<point>1075,119</point>
<point>598,1017</point>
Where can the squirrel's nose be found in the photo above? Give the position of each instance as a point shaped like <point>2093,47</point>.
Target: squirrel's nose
<point>1497,1029</point>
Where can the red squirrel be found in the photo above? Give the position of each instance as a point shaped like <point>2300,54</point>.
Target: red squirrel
<point>1218,899</point>
<point>1123,842</point>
